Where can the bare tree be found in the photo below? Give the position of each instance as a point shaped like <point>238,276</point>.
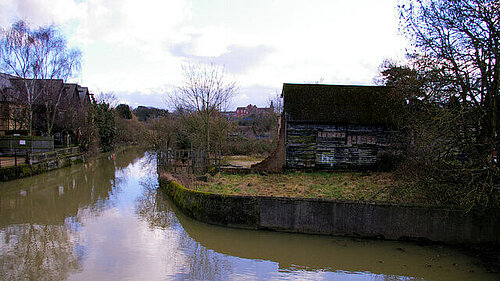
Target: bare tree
<point>461,40</point>
<point>276,102</point>
<point>161,133</point>
<point>107,97</point>
<point>205,92</point>
<point>452,90</point>
<point>35,56</point>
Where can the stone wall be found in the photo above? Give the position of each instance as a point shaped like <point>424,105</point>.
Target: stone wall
<point>25,170</point>
<point>330,217</point>
<point>237,211</point>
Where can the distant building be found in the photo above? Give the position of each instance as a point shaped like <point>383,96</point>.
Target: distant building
<point>248,111</point>
<point>242,111</point>
<point>253,122</point>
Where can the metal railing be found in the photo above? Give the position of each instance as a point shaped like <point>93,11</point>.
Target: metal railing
<point>22,157</point>
<point>188,161</point>
<point>15,159</point>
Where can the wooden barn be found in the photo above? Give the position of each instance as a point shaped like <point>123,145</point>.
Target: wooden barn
<point>330,126</point>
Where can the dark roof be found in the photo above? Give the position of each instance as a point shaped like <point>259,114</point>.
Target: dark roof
<point>336,104</point>
<point>71,91</point>
<point>12,87</point>
<point>70,87</point>
<point>19,88</point>
<point>83,92</point>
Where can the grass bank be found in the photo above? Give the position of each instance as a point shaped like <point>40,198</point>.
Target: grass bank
<point>375,186</point>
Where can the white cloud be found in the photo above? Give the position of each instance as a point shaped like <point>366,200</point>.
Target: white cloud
<point>203,40</point>
<point>133,46</point>
<point>236,59</point>
<point>38,12</point>
<point>130,21</point>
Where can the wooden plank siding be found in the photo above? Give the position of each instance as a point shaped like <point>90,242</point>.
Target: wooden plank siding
<point>331,127</point>
<point>328,147</point>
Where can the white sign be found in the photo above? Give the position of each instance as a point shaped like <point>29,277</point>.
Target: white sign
<point>22,142</point>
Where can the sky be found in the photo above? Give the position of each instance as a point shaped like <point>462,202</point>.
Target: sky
<point>136,48</point>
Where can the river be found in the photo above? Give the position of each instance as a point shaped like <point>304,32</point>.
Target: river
<point>106,220</point>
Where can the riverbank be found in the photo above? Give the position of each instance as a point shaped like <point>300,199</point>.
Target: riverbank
<point>42,165</point>
<point>337,217</point>
<point>110,209</point>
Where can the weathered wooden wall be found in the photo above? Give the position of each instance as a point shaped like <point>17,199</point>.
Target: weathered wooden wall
<point>327,147</point>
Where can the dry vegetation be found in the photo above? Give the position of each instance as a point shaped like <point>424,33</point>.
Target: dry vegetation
<point>340,185</point>
<point>244,161</point>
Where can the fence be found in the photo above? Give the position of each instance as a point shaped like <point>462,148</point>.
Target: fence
<point>14,159</point>
<point>25,157</point>
<point>47,156</point>
<point>11,145</point>
<point>188,161</point>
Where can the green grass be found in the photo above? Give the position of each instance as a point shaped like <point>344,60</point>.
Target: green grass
<point>376,186</point>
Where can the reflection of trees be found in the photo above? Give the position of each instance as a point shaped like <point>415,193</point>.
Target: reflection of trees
<point>151,206</point>
<point>39,217</point>
<point>124,158</point>
<point>37,252</point>
<point>52,197</point>
<point>201,263</point>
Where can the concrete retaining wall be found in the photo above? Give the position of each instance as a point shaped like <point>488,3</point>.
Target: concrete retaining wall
<point>236,211</point>
<point>330,217</point>
<point>25,170</point>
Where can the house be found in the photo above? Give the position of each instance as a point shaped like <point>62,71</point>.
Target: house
<point>85,97</point>
<point>71,113</point>
<point>242,111</point>
<point>250,110</point>
<point>329,127</point>
<point>70,98</point>
<point>10,110</point>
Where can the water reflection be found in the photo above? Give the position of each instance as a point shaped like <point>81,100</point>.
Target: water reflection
<point>199,263</point>
<point>40,217</point>
<point>147,206</point>
<point>37,252</point>
<point>219,253</point>
<point>106,220</point>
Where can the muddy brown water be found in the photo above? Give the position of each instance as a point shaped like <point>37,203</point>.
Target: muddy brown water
<point>105,220</point>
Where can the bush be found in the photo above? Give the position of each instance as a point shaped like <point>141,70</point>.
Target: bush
<point>123,111</point>
<point>129,131</point>
<point>247,147</point>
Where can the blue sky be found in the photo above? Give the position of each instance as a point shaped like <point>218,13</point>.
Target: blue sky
<point>135,48</point>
